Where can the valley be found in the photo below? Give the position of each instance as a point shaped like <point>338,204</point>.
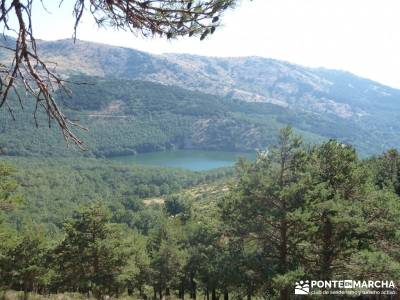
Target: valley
<point>199,177</point>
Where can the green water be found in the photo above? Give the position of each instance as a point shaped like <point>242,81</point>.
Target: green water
<point>186,159</point>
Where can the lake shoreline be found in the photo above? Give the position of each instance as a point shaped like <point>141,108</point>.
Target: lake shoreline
<point>194,160</point>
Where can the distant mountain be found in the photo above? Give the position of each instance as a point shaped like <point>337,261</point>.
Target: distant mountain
<point>320,102</point>
<point>251,79</point>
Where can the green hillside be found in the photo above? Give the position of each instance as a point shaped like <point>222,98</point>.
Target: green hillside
<point>140,102</point>
<point>52,188</point>
<point>127,117</point>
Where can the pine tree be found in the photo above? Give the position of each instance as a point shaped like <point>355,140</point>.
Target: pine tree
<point>168,257</point>
<point>260,208</point>
<point>332,211</point>
<point>23,260</point>
<point>9,197</point>
<point>386,170</point>
<point>92,254</point>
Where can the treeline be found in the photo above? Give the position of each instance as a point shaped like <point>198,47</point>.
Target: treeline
<point>294,213</point>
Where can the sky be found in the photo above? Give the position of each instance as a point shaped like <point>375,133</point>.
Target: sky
<point>360,36</point>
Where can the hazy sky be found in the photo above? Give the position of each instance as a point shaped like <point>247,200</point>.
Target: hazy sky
<point>361,36</point>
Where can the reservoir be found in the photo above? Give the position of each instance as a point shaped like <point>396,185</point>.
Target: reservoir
<point>195,160</point>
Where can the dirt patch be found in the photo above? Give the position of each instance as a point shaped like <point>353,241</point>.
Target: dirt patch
<point>153,201</point>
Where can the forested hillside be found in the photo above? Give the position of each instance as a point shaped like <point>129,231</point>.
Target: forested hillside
<point>252,98</point>
<point>54,188</point>
<point>295,213</point>
<point>126,117</point>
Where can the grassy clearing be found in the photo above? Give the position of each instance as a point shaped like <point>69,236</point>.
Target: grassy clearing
<point>14,295</point>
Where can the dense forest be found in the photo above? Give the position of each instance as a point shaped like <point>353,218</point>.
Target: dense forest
<point>53,188</point>
<point>296,212</point>
<point>125,117</point>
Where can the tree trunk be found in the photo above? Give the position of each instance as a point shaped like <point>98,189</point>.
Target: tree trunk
<point>226,295</point>
<point>213,294</point>
<point>249,292</point>
<point>25,291</point>
<point>182,291</point>
<point>284,292</point>
<point>327,250</point>
<point>283,260</point>
<point>193,289</point>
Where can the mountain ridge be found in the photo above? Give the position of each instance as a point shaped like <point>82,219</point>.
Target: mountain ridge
<point>273,81</point>
<point>253,78</point>
<point>319,101</point>
<point>319,68</point>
